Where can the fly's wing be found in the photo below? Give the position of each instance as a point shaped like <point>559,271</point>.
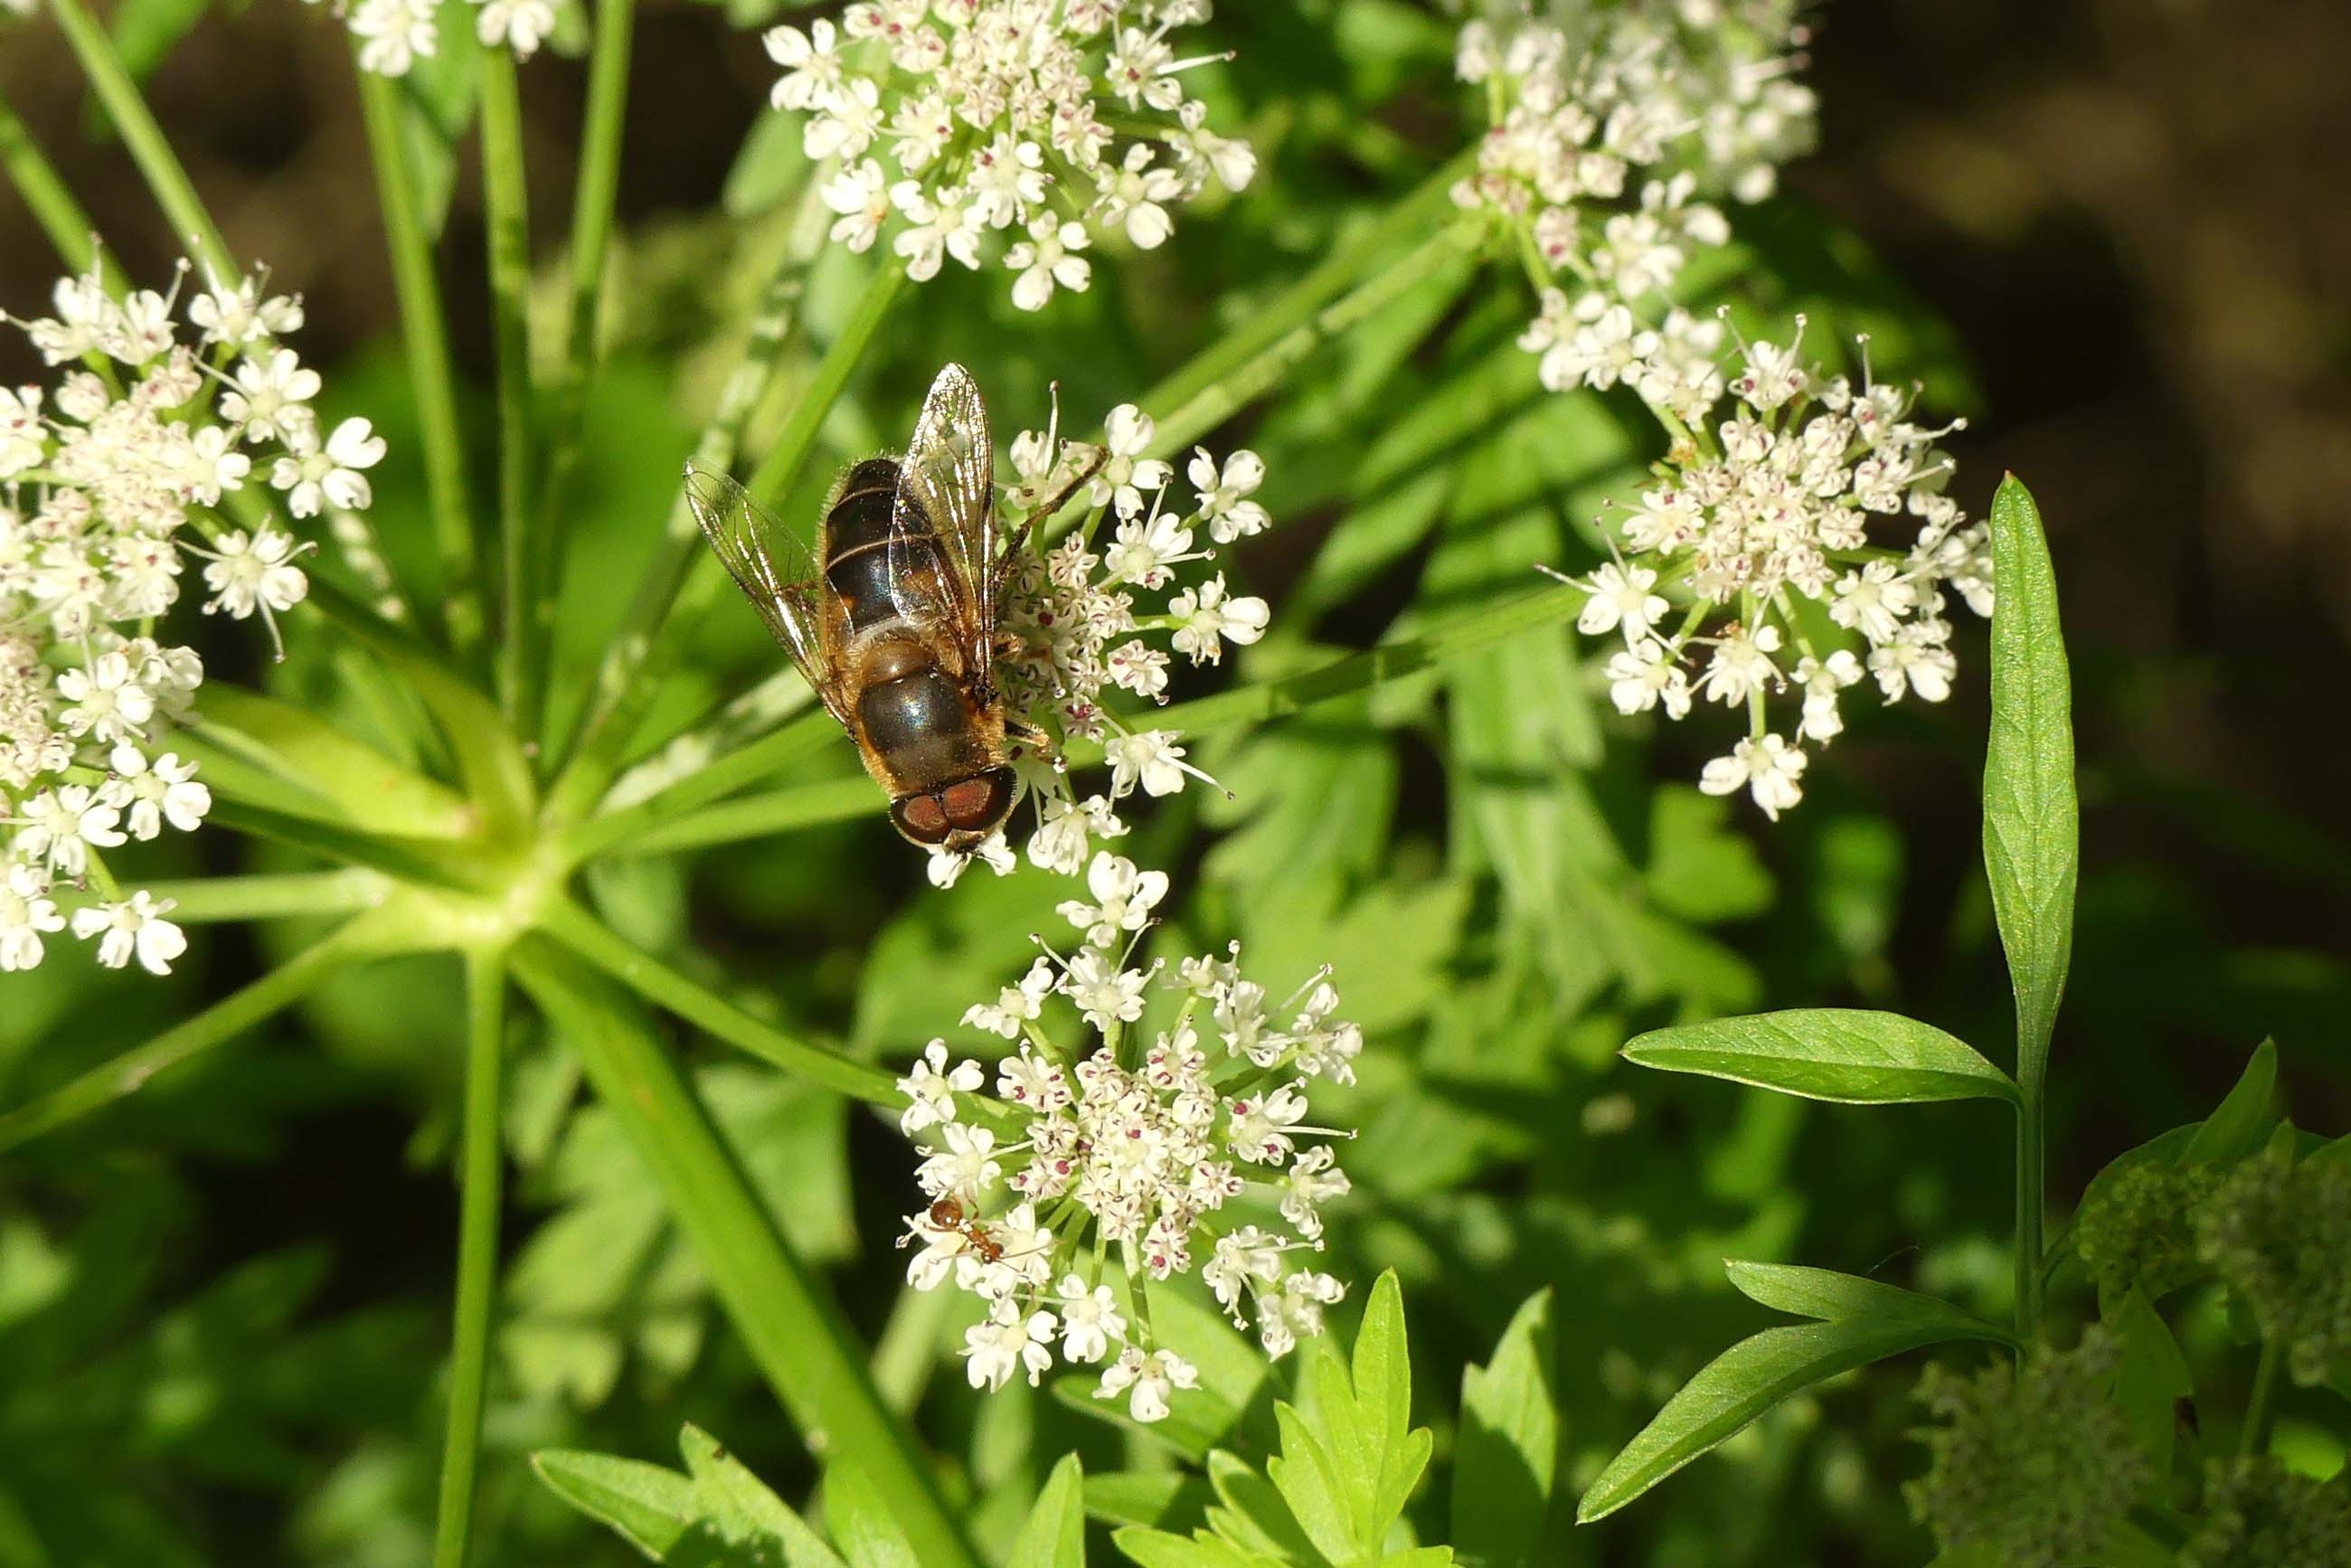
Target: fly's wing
<point>944,540</point>
<point>773,567</point>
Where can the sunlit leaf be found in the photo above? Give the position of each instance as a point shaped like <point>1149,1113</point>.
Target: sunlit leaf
<point>1847,1055</point>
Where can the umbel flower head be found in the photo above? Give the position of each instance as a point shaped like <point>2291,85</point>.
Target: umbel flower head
<point>1749,571</point>
<point>1081,619</point>
<point>2279,1235</point>
<point>2033,1467</point>
<point>1021,131</point>
<point>111,483</point>
<point>1612,130</point>
<point>2259,1514</point>
<point>1135,1152</point>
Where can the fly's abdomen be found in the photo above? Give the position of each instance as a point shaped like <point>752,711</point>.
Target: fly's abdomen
<point>920,726</point>
<point>865,574</point>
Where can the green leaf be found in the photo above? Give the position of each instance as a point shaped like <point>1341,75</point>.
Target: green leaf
<point>1055,1535</point>
<point>741,1510</point>
<point>2150,1377</point>
<point>1383,1388</point>
<point>1825,1294</point>
<point>1848,1055</point>
<point>146,30</point>
<point>2031,831</point>
<point>1741,1384</point>
<point>438,97</point>
<point>1158,1549</point>
<point>1509,1446</point>
<point>1251,1514</point>
<point>860,1522</point>
<point>1146,1497</point>
<point>652,1508</point>
<point>2240,1125</point>
<point>1308,1478</point>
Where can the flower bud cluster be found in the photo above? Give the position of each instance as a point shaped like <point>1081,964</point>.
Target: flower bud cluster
<point>1021,130</point>
<point>2279,1235</point>
<point>110,484</point>
<point>1749,571</point>
<point>1136,1155</point>
<point>2029,1468</point>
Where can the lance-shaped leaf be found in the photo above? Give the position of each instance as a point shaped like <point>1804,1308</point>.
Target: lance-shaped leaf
<point>2030,829</point>
<point>1851,1056</point>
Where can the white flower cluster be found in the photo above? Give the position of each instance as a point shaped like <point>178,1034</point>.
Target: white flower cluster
<point>394,35</point>
<point>102,483</point>
<point>996,118</point>
<point>1609,124</point>
<point>1073,629</point>
<point>1766,514</point>
<point>1132,1147</point>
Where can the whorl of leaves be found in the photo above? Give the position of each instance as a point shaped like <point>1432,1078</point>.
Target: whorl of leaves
<point>2033,1468</point>
<point>2261,1515</point>
<point>2279,1235</point>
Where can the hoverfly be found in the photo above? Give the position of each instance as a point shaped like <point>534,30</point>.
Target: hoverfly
<point>891,612</point>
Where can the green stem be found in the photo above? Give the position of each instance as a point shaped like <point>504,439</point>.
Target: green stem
<point>2030,1175</point>
<point>505,203</point>
<point>1184,404</point>
<point>431,862</point>
<point>591,229</point>
<point>217,1025</point>
<point>425,337</point>
<point>760,759</point>
<point>477,1257</point>
<point>149,148</point>
<point>2260,1414</point>
<point>791,1327</point>
<point>759,817</point>
<point>274,897</point>
<point>51,204</point>
<point>665,987</point>
<point>639,656</point>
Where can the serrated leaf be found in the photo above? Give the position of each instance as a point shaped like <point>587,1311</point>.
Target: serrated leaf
<point>1508,1443</point>
<point>1383,1387</point>
<point>859,1520</point>
<point>651,1508</point>
<point>2031,828</point>
<point>2238,1126</point>
<point>1055,1534</point>
<point>1847,1055</point>
<point>1738,1385</point>
<point>1825,1294</point>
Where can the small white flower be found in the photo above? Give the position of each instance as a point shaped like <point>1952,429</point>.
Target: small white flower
<point>164,789</point>
<point>26,915</point>
<point>1126,472</point>
<point>1621,596</point>
<point>1104,993</point>
<point>62,826</point>
<point>1090,1320</point>
<point>859,195</point>
<point>108,704</point>
<point>1210,618</point>
<point>1767,769</point>
<point>1150,757</point>
<point>1225,492</point>
<point>271,397</point>
<point>1641,677</point>
<point>1741,665</point>
<point>1004,1343</point>
<point>135,927</point>
<point>1123,896</point>
<point>1151,1378</point>
<point>1015,1005</point>
<point>811,68</point>
<point>331,475</point>
<point>931,1087</point>
<point>1047,257</point>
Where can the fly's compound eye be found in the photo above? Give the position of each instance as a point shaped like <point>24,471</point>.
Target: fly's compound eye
<point>976,805</point>
<point>921,818</point>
